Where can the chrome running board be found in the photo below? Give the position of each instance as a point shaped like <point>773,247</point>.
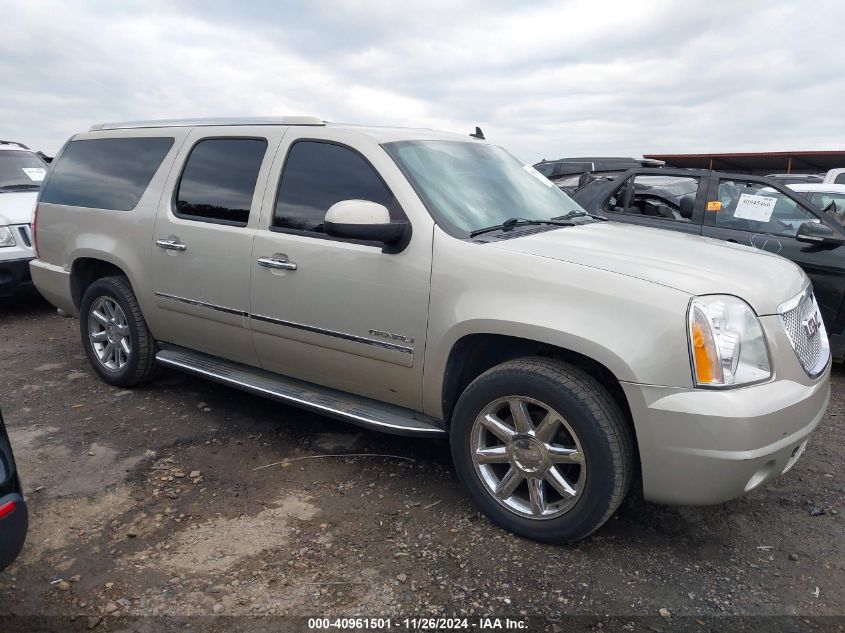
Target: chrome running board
<point>358,410</point>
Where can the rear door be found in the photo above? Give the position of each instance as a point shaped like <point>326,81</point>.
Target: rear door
<point>756,213</point>
<point>202,243</point>
<point>662,199</point>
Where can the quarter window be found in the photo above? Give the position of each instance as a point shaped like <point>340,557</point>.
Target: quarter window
<point>109,173</point>
<point>759,208</point>
<point>316,176</point>
<point>218,182</point>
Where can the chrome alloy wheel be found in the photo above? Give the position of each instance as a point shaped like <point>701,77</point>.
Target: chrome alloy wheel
<point>109,333</point>
<point>528,457</point>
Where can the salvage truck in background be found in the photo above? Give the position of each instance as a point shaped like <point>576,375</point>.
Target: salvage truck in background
<point>435,286</point>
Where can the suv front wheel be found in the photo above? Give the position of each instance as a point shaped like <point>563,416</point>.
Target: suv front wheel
<point>115,337</point>
<point>543,448</point>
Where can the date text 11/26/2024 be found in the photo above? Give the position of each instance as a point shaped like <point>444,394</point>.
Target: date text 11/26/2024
<point>418,624</point>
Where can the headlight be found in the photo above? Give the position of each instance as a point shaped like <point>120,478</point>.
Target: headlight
<point>6,237</point>
<point>726,343</point>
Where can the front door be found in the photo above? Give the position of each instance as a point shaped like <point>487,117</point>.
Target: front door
<point>341,313</point>
<point>202,243</point>
<point>754,213</point>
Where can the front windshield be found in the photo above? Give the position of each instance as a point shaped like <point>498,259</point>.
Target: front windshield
<point>20,170</point>
<point>468,186</point>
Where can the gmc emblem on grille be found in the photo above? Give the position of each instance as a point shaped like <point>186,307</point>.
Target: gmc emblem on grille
<point>811,326</point>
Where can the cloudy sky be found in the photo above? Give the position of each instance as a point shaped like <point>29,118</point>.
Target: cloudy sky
<point>545,79</point>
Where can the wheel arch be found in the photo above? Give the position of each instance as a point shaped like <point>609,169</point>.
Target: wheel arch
<point>473,354</point>
<point>86,270</point>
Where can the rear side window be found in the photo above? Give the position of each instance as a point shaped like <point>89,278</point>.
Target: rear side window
<point>219,178</point>
<point>109,173</point>
<point>316,176</point>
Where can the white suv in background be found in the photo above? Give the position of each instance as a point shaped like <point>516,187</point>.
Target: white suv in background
<point>21,173</point>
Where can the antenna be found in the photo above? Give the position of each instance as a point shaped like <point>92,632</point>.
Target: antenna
<point>478,134</point>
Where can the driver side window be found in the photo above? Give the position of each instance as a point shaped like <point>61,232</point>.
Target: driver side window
<point>758,208</point>
<point>318,174</point>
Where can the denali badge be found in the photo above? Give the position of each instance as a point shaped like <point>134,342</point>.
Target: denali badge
<point>811,326</point>
<point>395,337</point>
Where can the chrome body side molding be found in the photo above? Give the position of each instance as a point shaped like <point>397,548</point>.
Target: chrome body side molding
<point>202,304</point>
<point>343,335</point>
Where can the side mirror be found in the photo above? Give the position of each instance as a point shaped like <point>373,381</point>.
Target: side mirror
<point>817,233</point>
<point>363,220</point>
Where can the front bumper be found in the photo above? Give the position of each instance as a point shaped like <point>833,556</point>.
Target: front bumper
<point>705,446</point>
<point>14,276</point>
<point>700,447</point>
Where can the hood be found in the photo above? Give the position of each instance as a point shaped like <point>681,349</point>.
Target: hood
<point>16,207</point>
<point>690,263</point>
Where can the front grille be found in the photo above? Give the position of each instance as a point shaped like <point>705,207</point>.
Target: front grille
<point>809,340</point>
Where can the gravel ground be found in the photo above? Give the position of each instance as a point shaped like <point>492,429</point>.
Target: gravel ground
<point>169,500</point>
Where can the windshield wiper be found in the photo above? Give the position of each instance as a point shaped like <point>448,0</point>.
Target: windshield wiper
<point>561,220</point>
<point>579,214</point>
<point>24,186</point>
<point>514,222</point>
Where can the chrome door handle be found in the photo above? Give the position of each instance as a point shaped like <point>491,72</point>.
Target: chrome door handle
<point>171,244</point>
<point>277,261</point>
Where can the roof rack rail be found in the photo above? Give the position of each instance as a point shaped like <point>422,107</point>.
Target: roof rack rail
<point>13,143</point>
<point>266,120</point>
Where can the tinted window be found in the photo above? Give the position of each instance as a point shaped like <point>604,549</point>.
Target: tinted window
<point>316,176</point>
<point>109,173</point>
<point>759,208</point>
<point>840,179</point>
<point>218,181</point>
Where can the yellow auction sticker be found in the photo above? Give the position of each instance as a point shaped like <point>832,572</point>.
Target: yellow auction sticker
<point>714,205</point>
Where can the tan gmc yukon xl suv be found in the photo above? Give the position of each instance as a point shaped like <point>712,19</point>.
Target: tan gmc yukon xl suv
<point>430,284</point>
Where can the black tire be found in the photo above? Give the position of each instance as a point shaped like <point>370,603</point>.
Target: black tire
<point>140,366</point>
<point>594,416</point>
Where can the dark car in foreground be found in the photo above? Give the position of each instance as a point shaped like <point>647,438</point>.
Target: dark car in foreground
<point>750,210</point>
<point>14,521</point>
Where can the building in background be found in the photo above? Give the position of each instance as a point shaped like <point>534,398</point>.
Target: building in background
<point>760,163</point>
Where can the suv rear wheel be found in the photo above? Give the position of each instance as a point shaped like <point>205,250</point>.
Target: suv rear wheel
<point>117,342</point>
<point>543,448</point>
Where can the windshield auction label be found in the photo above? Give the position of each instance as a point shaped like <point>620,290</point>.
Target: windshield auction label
<point>36,174</point>
<point>530,169</point>
<point>757,208</point>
